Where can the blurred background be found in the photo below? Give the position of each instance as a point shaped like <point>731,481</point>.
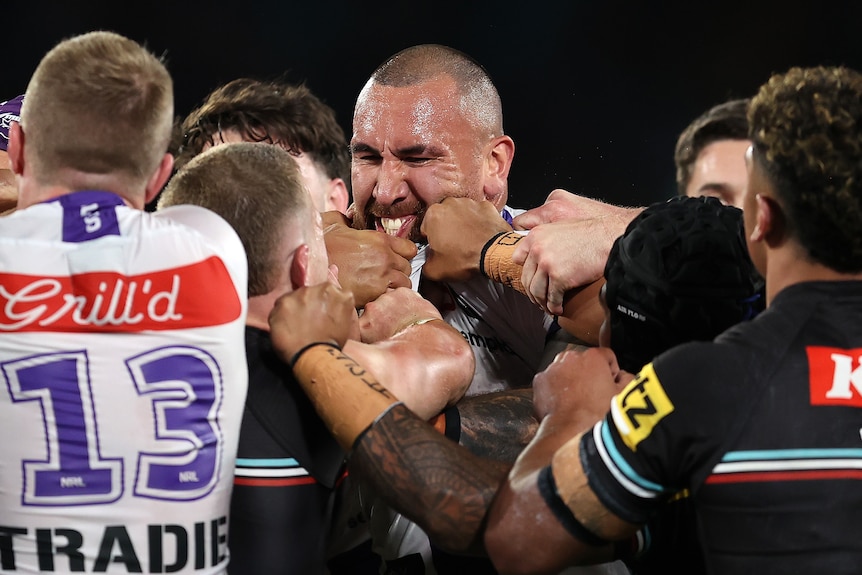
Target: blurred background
<point>594,93</point>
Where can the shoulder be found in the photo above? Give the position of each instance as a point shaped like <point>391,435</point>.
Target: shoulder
<point>702,359</point>
<point>209,226</point>
<point>202,220</point>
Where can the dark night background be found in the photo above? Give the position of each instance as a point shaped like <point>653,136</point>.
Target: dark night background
<point>594,93</point>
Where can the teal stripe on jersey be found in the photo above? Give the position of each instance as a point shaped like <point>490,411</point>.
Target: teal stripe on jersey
<point>754,455</point>
<point>282,462</point>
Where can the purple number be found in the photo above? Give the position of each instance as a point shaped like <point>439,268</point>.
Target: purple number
<point>74,472</point>
<point>184,386</point>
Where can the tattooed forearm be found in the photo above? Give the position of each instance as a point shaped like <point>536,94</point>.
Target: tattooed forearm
<point>498,425</point>
<point>438,484</point>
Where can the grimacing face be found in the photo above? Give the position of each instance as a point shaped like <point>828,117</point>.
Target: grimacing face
<point>411,148</point>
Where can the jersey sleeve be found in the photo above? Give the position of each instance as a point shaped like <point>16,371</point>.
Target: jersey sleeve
<point>663,430</point>
<point>218,233</point>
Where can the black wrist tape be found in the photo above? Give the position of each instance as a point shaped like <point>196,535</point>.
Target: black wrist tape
<point>548,490</point>
<point>305,348</point>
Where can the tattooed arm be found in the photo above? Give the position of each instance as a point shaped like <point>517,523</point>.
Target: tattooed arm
<point>571,526</point>
<point>497,425</point>
<point>432,480</point>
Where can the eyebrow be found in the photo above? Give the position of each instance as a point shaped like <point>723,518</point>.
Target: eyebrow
<point>715,187</point>
<point>360,148</point>
<point>416,150</point>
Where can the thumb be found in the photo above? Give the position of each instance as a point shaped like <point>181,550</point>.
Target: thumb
<point>526,221</point>
<point>333,276</point>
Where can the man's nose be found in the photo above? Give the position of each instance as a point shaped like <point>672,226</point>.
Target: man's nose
<point>391,183</point>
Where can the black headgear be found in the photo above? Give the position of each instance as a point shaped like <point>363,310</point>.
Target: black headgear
<point>680,272</point>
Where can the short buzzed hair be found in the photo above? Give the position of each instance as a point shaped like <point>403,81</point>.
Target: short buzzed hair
<point>257,189</point>
<point>422,63</point>
<point>99,103</point>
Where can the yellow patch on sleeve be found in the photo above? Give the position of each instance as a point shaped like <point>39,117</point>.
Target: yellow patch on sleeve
<point>638,408</point>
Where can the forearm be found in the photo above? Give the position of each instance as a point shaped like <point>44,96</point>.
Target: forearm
<point>582,313</point>
<point>427,366</point>
<point>508,536</point>
<point>509,539</point>
<point>433,481</point>
<point>346,397</point>
<point>495,260</point>
<point>498,425</point>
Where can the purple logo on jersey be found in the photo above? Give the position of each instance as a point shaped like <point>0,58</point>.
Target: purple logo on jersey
<point>89,215</point>
<point>10,111</point>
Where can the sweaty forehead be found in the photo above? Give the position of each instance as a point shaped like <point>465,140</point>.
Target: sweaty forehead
<point>407,115</point>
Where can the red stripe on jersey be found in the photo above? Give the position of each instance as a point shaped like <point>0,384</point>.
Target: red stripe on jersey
<point>264,482</point>
<point>197,295</point>
<point>757,477</point>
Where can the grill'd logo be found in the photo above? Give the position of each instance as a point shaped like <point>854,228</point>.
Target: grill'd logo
<point>108,301</point>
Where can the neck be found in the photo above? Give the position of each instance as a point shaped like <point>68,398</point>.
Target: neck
<point>786,268</point>
<point>259,307</point>
<point>66,181</point>
<point>28,198</point>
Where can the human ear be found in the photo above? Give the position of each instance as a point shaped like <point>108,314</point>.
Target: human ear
<point>159,178</point>
<point>498,161</point>
<point>299,267</point>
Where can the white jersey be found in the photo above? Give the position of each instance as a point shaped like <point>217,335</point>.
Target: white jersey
<point>508,334</point>
<point>506,331</point>
<point>123,383</point>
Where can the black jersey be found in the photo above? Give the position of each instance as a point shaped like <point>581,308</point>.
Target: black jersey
<point>762,426</point>
<point>668,543</point>
<point>287,468</point>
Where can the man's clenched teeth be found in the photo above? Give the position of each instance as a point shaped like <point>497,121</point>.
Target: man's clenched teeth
<point>391,225</point>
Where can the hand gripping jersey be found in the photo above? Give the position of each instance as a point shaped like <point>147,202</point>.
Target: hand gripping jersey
<point>123,381</point>
<point>762,426</point>
<point>506,331</point>
<point>508,335</point>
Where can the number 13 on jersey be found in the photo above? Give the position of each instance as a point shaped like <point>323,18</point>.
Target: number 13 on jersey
<point>182,387</point>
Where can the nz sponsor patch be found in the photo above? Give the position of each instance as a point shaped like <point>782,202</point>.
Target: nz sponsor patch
<point>638,408</point>
<point>835,376</point>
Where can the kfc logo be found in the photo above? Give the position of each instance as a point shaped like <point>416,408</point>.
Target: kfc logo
<point>835,376</point>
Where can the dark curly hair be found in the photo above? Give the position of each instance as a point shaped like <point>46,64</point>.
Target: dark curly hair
<point>680,272</point>
<point>275,112</point>
<point>726,121</point>
<point>806,126</point>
